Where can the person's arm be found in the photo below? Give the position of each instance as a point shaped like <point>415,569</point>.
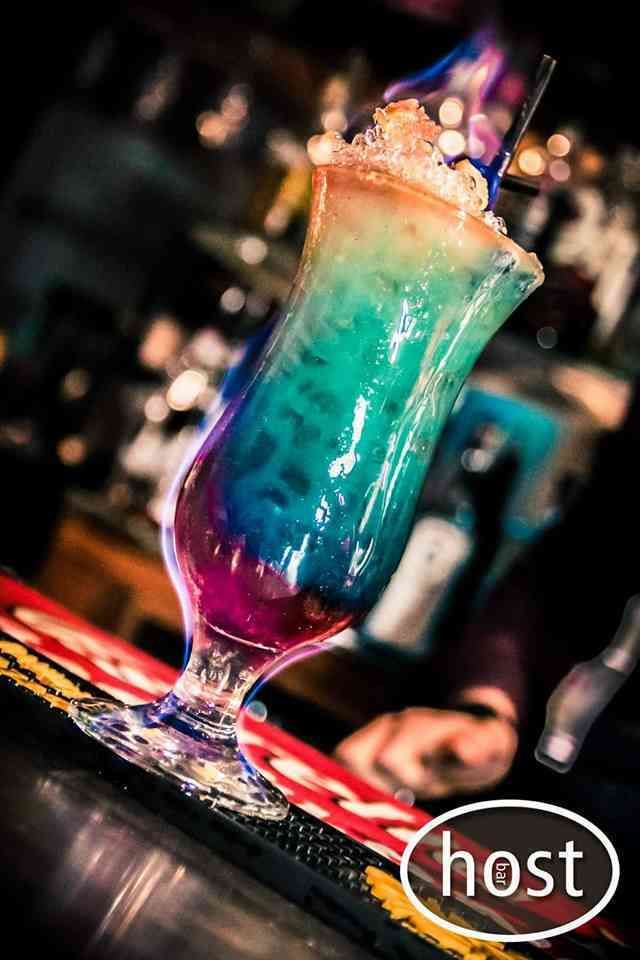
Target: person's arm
<point>433,753</point>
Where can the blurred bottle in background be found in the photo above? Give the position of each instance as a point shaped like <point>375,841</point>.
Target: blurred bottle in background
<point>488,495</point>
<point>586,691</point>
<point>455,539</point>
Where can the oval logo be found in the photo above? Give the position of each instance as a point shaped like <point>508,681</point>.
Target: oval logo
<point>510,871</point>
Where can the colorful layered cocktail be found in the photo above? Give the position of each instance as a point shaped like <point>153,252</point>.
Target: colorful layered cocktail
<point>297,508</point>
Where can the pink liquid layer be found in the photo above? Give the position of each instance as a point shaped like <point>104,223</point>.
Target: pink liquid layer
<point>239,598</point>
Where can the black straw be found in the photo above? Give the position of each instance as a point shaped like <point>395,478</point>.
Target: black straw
<point>519,126</point>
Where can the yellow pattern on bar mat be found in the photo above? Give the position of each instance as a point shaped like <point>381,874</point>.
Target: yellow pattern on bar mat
<point>394,900</point>
<point>27,670</point>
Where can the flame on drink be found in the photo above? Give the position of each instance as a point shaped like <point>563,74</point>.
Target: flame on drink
<point>476,92</point>
<point>473,91</point>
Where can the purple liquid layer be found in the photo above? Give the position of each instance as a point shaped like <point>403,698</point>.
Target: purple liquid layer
<point>241,598</point>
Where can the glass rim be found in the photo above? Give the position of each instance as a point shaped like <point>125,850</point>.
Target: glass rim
<point>527,259</point>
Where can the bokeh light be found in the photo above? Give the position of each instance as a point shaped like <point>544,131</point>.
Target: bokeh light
<point>532,162</point>
<point>156,408</point>
<point>559,170</point>
<point>185,389</point>
<point>451,142</point>
<point>232,300</point>
<point>252,250</point>
<point>451,112</point>
<point>72,450</point>
<point>558,145</point>
<point>213,128</point>
<point>591,162</point>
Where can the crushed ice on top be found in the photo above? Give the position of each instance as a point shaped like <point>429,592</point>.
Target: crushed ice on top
<point>402,143</point>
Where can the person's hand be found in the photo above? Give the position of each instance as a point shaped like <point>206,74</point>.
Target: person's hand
<point>433,753</point>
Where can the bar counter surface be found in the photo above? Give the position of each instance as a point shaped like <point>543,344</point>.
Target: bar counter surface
<point>100,859</point>
<point>88,872</point>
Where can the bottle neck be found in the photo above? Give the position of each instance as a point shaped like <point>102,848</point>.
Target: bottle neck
<point>623,652</point>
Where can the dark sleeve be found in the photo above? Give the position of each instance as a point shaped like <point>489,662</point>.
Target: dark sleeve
<point>498,647</point>
<point>563,600</point>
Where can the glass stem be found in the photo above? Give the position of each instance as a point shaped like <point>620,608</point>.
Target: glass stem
<point>211,689</point>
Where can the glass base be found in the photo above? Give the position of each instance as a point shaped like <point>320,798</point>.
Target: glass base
<point>172,744</point>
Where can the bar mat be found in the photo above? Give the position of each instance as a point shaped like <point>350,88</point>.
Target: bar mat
<point>336,854</point>
<point>307,861</point>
